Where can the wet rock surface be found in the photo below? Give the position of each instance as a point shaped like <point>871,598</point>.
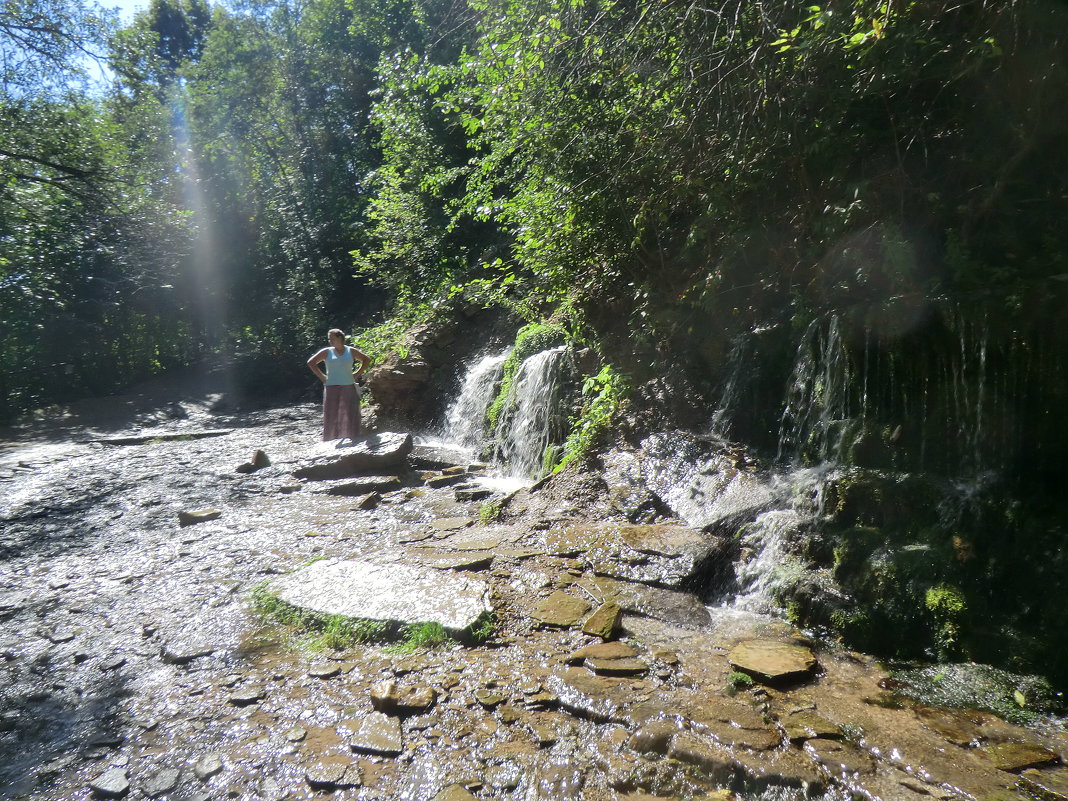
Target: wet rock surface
<point>388,592</point>
<point>132,664</point>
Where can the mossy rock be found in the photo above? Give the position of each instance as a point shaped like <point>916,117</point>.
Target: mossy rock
<point>1014,697</point>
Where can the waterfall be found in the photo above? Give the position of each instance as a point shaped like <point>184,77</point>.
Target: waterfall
<point>465,420</point>
<point>738,362</point>
<point>529,418</point>
<point>525,427</point>
<point>817,395</point>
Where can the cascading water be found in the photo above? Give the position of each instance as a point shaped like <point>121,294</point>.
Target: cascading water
<point>465,420</point>
<point>528,419</point>
<point>525,427</point>
<point>818,394</point>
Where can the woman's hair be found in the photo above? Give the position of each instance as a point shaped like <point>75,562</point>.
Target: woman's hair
<point>337,331</point>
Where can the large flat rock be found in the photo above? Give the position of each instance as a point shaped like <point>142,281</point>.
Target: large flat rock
<point>380,454</point>
<point>700,483</point>
<point>771,661</point>
<point>661,555</point>
<point>388,592</point>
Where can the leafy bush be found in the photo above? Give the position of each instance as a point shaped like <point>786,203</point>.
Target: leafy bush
<point>603,395</point>
<point>531,339</point>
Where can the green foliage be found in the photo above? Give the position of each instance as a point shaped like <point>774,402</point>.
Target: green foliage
<point>337,632</point>
<point>421,637</point>
<point>974,686</point>
<point>389,336</point>
<point>603,394</point>
<point>483,629</point>
<point>530,339</point>
<point>738,681</point>
<point>489,512</point>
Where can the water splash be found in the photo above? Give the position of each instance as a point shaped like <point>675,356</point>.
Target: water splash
<point>465,420</point>
<point>818,393</point>
<point>525,428</point>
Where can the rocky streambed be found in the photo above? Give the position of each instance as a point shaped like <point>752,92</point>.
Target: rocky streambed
<point>134,665</point>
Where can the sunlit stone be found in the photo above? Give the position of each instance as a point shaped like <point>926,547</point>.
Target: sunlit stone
<point>386,592</point>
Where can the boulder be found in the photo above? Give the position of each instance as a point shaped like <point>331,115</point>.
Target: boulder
<point>258,461</point>
<point>387,592</point>
<point>604,621</point>
<point>160,783</point>
<point>699,482</point>
<point>376,453</point>
<point>665,555</point>
<point>671,606</point>
<point>207,766</point>
<point>398,384</point>
<point>199,516</point>
<point>112,783</point>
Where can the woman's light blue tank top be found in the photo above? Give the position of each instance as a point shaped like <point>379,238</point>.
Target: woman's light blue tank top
<point>339,368</point>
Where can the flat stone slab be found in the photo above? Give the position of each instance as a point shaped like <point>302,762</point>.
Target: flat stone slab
<point>840,758</point>
<point>452,523</point>
<point>772,661</point>
<point>378,734</point>
<point>333,773</point>
<point>364,486</point>
<point>807,725</point>
<point>595,698</point>
<point>604,650</point>
<point>561,610</point>
<point>342,458</point>
<point>389,592</point>
<point>667,555</point>
<point>1014,757</point>
<point>475,560</point>
<point>617,667</point>
<point>141,439</point>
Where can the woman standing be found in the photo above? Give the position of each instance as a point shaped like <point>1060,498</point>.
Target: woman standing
<point>341,397</point>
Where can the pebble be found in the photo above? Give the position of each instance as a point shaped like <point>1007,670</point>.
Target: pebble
<point>112,783</point>
<point>296,734</point>
<point>207,766</point>
<point>161,782</point>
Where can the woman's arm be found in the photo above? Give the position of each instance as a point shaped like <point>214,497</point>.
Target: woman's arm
<point>313,365</point>
<point>362,358</point>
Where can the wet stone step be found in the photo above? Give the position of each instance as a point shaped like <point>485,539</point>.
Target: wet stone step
<point>378,734</point>
<point>333,774</point>
<point>364,486</point>
<point>773,662</point>
<point>617,667</point>
<point>246,696</point>
<point>1015,757</point>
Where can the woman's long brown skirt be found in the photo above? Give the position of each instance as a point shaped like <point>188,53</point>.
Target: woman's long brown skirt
<point>341,411</point>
